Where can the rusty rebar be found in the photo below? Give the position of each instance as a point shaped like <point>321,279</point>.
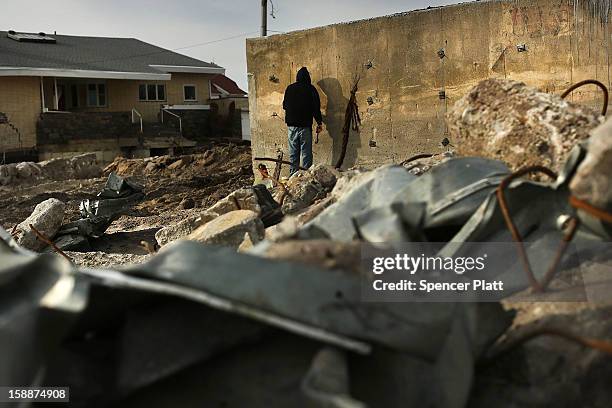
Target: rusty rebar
<point>577,85</point>
<point>597,344</point>
<point>516,235</point>
<point>589,209</point>
<point>276,161</point>
<point>47,241</point>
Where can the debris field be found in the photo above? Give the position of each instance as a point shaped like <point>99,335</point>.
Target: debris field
<point>188,277</point>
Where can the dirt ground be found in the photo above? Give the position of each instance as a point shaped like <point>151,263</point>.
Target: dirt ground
<point>205,176</point>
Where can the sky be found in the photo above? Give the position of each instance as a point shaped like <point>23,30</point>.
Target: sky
<point>209,30</point>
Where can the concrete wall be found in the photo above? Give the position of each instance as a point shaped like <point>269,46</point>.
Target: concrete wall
<point>401,73</point>
<point>20,100</point>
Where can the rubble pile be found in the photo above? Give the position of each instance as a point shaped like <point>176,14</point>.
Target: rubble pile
<point>509,121</point>
<point>84,166</point>
<point>275,273</point>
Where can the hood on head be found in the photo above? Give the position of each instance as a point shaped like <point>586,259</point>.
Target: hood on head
<point>303,75</point>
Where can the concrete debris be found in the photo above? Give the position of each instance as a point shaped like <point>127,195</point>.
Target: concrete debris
<point>285,260</point>
<point>84,166</point>
<point>243,199</point>
<point>507,120</point>
<point>47,218</point>
<point>304,187</point>
<point>593,182</point>
<point>229,229</point>
<point>183,228</point>
<point>326,175</point>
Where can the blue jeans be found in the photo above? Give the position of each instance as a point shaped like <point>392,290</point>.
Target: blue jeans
<point>300,143</point>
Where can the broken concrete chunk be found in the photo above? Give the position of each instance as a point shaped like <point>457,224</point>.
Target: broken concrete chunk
<point>229,229</point>
<point>47,218</point>
<point>302,190</point>
<point>510,121</point>
<point>149,168</point>
<point>593,179</point>
<point>182,228</point>
<point>242,199</point>
<point>77,167</point>
<point>27,170</point>
<point>326,175</point>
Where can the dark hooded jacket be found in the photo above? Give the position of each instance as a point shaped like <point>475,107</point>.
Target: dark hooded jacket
<point>301,103</point>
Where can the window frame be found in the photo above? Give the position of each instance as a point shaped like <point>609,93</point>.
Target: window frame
<point>156,85</point>
<point>195,93</point>
<point>97,91</point>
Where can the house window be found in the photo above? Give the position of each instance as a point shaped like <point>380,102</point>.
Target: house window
<point>189,92</point>
<point>152,92</point>
<point>96,94</point>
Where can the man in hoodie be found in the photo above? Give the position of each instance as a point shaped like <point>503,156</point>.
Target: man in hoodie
<point>301,105</point>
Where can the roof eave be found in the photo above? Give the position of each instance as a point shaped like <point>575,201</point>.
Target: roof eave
<point>188,69</point>
<point>82,73</point>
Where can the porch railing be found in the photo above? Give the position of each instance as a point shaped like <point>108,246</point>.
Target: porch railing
<point>134,114</point>
<point>175,115</point>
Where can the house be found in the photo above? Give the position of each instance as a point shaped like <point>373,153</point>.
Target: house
<point>63,95</point>
<point>231,102</point>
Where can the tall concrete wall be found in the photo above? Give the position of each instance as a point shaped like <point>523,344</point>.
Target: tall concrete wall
<point>401,73</point>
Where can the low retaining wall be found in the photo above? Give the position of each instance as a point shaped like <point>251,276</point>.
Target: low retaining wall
<point>63,128</point>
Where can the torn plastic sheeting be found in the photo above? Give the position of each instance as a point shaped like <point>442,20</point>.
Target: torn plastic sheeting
<point>117,186</point>
<point>96,215</point>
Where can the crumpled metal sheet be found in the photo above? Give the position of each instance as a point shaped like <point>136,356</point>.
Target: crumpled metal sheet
<point>372,192</point>
<point>322,304</point>
<point>39,299</point>
<point>537,209</point>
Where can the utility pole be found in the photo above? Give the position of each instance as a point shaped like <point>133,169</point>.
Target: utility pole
<point>264,18</point>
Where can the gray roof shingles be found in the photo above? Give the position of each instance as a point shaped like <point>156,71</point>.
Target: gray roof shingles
<point>91,53</point>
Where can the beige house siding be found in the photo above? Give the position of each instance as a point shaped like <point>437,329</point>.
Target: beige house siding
<point>20,100</point>
<point>122,95</point>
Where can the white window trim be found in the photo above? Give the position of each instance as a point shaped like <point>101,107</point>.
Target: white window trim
<point>195,88</point>
<point>146,85</point>
<point>97,84</point>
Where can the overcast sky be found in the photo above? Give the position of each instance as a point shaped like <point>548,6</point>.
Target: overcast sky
<point>184,23</point>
